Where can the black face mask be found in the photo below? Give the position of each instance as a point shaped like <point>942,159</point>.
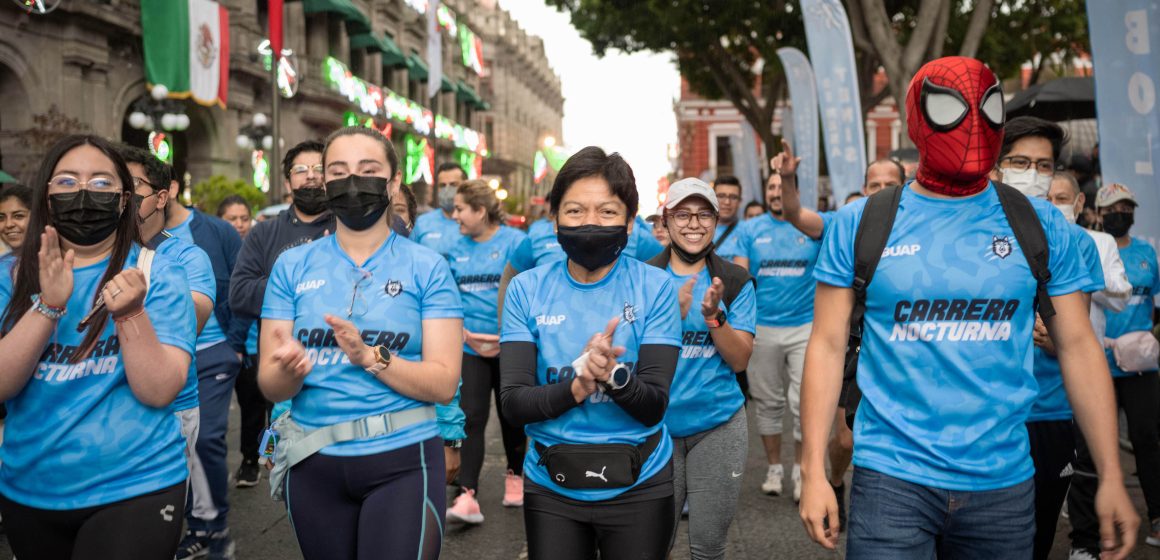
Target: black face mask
<point>310,201</point>
<point>358,201</point>
<point>1117,224</point>
<point>85,217</point>
<point>138,200</point>
<point>591,246</point>
<point>691,258</point>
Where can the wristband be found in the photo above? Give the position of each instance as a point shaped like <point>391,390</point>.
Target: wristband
<point>50,311</point>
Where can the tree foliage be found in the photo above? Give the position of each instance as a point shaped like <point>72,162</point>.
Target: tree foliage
<point>724,48</point>
<point>208,194</point>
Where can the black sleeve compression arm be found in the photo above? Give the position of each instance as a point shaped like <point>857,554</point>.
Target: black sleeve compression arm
<point>522,401</point>
<point>646,396</point>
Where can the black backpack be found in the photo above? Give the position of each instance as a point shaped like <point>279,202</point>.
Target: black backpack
<point>870,241</point>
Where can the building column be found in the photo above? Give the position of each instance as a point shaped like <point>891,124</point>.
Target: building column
<point>871,139</point>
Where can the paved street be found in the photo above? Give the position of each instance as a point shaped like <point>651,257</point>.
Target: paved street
<point>765,527</point>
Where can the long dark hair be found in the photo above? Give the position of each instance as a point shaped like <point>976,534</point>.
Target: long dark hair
<point>26,274</point>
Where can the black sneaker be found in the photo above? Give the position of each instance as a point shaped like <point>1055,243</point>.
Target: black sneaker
<point>193,545</point>
<point>248,475</point>
<point>221,546</point>
<point>840,493</point>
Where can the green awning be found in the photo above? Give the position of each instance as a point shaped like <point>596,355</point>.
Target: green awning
<point>356,21</point>
<point>6,178</point>
<point>392,55</point>
<point>467,94</point>
<point>484,106</point>
<point>447,86</point>
<point>416,68</point>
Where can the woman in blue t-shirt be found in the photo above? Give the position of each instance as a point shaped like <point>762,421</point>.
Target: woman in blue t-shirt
<point>478,260</point>
<point>705,415</point>
<point>94,353</point>
<point>589,347</point>
<point>363,331</point>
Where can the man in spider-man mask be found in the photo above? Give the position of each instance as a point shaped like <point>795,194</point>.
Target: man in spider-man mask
<point>943,467</point>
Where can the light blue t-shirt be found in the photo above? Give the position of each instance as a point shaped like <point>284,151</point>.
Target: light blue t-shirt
<point>399,286</point>
<point>946,362</point>
<point>212,332</point>
<point>1052,403</point>
<point>75,436</point>
<point>725,249</point>
<point>782,260</point>
<point>1140,263</point>
<point>642,246</point>
<point>704,393</point>
<point>478,268</point>
<point>437,232</point>
<point>200,277</point>
<point>546,306</point>
<point>545,248</point>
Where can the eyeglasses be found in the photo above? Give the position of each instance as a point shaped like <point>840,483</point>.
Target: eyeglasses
<point>1020,163</point>
<point>682,217</point>
<point>138,181</point>
<point>302,169</point>
<point>729,197</point>
<point>95,184</point>
<point>360,280</point>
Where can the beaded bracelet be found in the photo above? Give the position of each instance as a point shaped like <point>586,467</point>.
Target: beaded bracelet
<point>50,311</point>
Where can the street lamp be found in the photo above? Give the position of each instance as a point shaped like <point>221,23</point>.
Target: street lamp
<point>157,112</point>
<point>256,134</point>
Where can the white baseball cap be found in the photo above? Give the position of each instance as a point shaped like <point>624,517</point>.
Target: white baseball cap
<point>690,186</point>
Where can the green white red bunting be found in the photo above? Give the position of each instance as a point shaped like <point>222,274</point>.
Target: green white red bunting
<point>187,48</point>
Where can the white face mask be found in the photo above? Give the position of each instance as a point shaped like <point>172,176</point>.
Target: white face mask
<point>1068,211</point>
<point>1029,182</point>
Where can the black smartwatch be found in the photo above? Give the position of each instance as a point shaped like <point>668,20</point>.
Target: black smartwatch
<point>453,443</point>
<point>716,320</point>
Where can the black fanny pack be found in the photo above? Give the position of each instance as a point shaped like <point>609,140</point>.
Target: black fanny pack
<point>596,466</point>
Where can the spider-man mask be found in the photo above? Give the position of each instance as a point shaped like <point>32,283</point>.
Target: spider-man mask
<point>955,118</point>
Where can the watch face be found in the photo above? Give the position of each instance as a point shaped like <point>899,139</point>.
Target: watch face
<point>384,354</point>
<point>620,376</point>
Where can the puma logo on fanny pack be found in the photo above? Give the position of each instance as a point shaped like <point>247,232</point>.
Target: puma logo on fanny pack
<point>600,475</point>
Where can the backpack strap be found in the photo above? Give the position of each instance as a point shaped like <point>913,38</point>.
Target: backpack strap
<point>869,242</point>
<point>145,263</point>
<point>728,231</point>
<point>1032,241</point>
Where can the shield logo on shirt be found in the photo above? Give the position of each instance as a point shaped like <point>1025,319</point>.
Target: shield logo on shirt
<point>1001,246</point>
<point>394,288</point>
<point>629,314</point>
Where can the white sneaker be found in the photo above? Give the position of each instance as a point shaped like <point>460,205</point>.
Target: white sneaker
<point>1080,554</point>
<point>772,484</point>
<point>796,475</point>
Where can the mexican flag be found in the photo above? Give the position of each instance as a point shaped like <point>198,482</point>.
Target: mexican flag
<point>187,48</point>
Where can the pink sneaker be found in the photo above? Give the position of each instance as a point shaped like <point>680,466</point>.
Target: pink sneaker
<point>513,490</point>
<point>465,509</point>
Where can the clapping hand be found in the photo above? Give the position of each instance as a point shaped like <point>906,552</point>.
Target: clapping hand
<point>291,356</point>
<point>350,340</point>
<point>685,296</point>
<point>711,303</point>
<point>56,269</point>
<point>125,293</point>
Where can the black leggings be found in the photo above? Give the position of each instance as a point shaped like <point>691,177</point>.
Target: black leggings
<point>147,527</point>
<point>1139,396</point>
<point>1053,452</point>
<point>387,505</point>
<point>480,382</point>
<point>254,408</point>
<point>565,531</point>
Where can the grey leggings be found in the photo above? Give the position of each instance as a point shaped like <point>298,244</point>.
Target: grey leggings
<point>707,469</point>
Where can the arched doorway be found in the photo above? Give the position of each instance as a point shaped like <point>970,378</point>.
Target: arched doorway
<point>16,156</point>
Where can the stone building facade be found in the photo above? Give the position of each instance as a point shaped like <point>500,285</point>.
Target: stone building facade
<point>80,68</point>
